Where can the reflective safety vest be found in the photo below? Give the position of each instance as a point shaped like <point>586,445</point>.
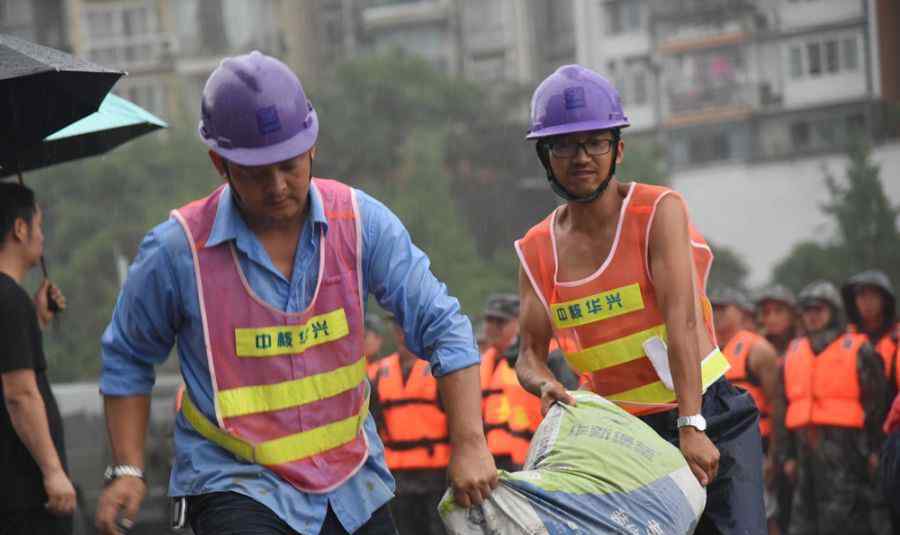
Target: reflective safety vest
<point>415,434</point>
<point>372,369</point>
<point>738,350</point>
<point>824,389</point>
<point>289,389</point>
<point>609,323</point>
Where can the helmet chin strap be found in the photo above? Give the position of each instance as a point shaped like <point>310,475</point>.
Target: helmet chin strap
<point>544,155</point>
<point>234,192</point>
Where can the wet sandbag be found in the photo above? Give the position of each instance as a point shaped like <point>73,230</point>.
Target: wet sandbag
<point>592,468</point>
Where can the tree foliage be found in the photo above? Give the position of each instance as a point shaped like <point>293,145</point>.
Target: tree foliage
<point>728,270</point>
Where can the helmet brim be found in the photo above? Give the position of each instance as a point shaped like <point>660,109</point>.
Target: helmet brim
<point>272,154</point>
<point>573,128</point>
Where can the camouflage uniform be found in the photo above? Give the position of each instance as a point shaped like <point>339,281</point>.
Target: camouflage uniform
<point>834,491</point>
<point>879,280</point>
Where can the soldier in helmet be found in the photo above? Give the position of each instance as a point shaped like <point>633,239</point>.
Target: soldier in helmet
<point>834,387</point>
<point>510,417</point>
<point>776,308</point>
<point>871,310</point>
<point>754,367</point>
<point>263,286</point>
<point>617,275</point>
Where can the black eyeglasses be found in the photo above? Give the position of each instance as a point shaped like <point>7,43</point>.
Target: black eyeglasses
<point>568,148</point>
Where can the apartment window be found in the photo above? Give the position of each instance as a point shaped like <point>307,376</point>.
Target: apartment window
<point>856,124</point>
<point>800,135</point>
<point>814,54</point>
<point>135,21</point>
<point>823,57</point>
<point>623,16</point>
<point>851,61</point>
<point>831,56</point>
<point>827,132</point>
<point>123,34</point>
<point>710,148</point>
<point>796,62</point>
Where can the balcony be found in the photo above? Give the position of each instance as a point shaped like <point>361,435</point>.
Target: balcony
<point>713,104</point>
<point>405,14</point>
<point>702,39</point>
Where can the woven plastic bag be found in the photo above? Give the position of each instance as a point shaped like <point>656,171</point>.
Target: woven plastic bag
<point>591,468</point>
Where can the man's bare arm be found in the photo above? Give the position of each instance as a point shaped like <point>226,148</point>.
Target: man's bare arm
<point>472,472</point>
<point>535,333</point>
<point>672,266</point>
<point>763,364</point>
<point>28,416</point>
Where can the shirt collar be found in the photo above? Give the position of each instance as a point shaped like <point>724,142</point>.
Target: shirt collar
<point>230,225</point>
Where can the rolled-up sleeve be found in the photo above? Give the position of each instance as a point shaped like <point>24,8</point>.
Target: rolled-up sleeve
<point>398,274</point>
<point>146,317</point>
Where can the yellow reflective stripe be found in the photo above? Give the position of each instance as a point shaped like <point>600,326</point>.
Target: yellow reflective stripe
<point>597,307</point>
<point>712,369</point>
<point>280,450</point>
<point>291,339</point>
<point>265,398</point>
<point>309,443</point>
<point>615,352</point>
<point>651,393</point>
<point>214,433</point>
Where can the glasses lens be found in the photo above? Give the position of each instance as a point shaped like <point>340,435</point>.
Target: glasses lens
<point>597,147</point>
<point>563,149</point>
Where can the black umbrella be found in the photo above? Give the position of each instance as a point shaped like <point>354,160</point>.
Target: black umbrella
<point>116,122</point>
<point>42,90</point>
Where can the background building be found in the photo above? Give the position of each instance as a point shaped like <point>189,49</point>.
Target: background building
<point>750,99</point>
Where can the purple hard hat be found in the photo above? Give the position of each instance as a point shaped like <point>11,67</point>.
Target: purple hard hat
<point>575,99</point>
<point>254,111</point>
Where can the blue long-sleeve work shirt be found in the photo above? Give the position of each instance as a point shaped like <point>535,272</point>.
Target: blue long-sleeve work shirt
<point>158,307</point>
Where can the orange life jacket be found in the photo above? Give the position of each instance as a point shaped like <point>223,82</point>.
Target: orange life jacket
<point>603,322</point>
<point>824,389</point>
<point>887,348</point>
<point>738,350</point>
<point>522,412</point>
<point>495,405</point>
<point>415,434</point>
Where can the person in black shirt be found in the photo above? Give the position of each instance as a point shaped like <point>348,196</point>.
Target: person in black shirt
<point>36,495</point>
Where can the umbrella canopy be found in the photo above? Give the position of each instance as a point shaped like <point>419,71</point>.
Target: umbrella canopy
<point>116,122</point>
<point>42,90</point>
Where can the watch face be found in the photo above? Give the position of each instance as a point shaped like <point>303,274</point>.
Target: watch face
<point>697,421</point>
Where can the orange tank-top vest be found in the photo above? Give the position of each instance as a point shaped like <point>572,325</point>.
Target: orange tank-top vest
<point>609,322</point>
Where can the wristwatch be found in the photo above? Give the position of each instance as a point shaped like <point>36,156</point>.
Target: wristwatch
<point>116,471</point>
<point>696,421</point>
